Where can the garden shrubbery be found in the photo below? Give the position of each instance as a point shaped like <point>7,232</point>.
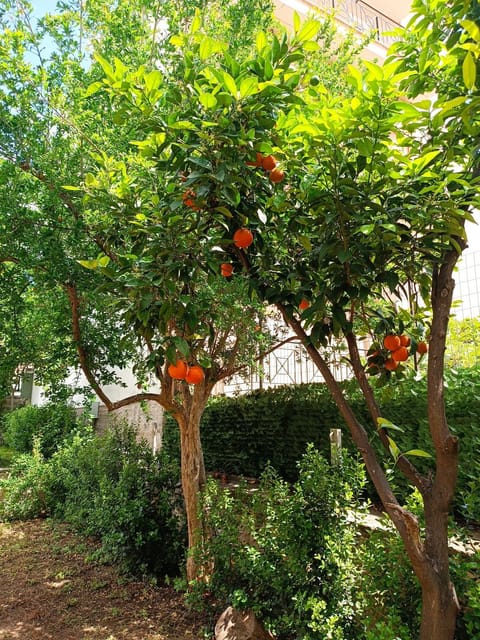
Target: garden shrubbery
<point>49,424</point>
<point>111,487</point>
<point>286,551</point>
<point>295,556</point>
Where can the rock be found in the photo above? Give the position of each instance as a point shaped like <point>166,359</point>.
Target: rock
<point>240,625</point>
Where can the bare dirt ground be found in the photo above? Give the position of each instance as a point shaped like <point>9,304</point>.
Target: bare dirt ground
<point>51,589</point>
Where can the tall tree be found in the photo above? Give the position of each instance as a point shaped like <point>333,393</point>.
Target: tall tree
<point>357,204</point>
<point>158,309</point>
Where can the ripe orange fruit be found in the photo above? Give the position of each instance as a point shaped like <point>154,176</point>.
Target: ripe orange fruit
<point>269,163</point>
<point>195,374</point>
<point>178,371</point>
<point>258,161</point>
<point>188,198</point>
<point>404,341</point>
<point>276,176</point>
<point>242,238</point>
<point>400,354</point>
<point>391,364</point>
<point>422,348</point>
<point>391,342</point>
<point>226,269</point>
<point>304,304</point>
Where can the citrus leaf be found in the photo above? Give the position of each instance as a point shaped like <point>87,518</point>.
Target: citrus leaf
<point>417,452</point>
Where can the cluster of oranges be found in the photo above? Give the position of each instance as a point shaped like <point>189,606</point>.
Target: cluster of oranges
<point>188,199</point>
<point>269,164</point>
<point>182,371</point>
<point>398,349</point>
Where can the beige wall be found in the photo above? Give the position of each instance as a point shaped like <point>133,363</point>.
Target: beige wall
<point>148,421</point>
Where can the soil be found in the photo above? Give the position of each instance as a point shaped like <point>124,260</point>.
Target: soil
<point>50,588</point>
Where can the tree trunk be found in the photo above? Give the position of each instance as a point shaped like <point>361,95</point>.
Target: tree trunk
<point>428,556</point>
<point>193,476</point>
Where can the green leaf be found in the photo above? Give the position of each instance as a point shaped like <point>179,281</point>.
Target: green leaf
<point>182,345</point>
<point>472,28</point>
<point>383,422</point>
<point>226,212</point>
<point>88,264</point>
<point>208,100</point>
<point>93,88</point>
<point>309,30</point>
<point>103,261</point>
<point>296,22</point>
<point>417,452</point>
<point>196,22</point>
<point>423,161</point>
<point>305,242</point>
<point>394,450</point>
<point>261,41</point>
<point>229,83</point>
<point>209,46</point>
<point>248,87</point>
<point>469,69</point>
<point>183,124</point>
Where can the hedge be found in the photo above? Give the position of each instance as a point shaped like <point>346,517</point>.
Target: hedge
<point>240,435</point>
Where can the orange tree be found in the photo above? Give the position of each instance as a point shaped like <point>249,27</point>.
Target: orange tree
<point>356,205</point>
<point>125,278</point>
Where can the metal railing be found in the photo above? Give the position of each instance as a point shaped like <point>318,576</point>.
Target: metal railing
<point>363,17</point>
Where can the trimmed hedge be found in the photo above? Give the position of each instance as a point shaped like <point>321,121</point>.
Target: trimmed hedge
<point>241,435</point>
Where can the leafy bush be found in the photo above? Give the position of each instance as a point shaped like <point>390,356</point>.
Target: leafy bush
<point>24,493</point>
<point>285,551</point>
<point>50,424</point>
<point>113,488</point>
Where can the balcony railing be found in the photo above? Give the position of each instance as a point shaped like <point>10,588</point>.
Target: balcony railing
<point>363,17</point>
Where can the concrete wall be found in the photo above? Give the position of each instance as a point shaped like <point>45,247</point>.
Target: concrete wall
<point>148,420</point>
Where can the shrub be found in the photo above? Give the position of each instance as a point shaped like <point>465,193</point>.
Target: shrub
<point>285,551</point>
<point>50,424</point>
<point>116,489</point>
<point>113,488</point>
<point>24,493</point>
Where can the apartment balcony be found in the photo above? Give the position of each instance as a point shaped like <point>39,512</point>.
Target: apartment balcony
<point>379,18</point>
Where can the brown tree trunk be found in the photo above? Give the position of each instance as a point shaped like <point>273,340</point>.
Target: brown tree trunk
<point>440,605</point>
<point>192,472</point>
<point>428,556</point>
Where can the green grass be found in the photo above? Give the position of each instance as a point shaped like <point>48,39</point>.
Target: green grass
<point>6,456</point>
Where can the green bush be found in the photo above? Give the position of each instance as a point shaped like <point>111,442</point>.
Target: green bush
<point>111,487</point>
<point>50,424</point>
<point>285,551</point>
<point>24,493</point>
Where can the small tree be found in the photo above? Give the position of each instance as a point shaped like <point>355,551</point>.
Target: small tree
<point>145,298</point>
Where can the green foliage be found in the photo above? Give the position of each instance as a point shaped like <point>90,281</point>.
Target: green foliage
<point>50,424</point>
<point>111,487</point>
<point>24,493</point>
<point>285,551</point>
<point>466,575</point>
<point>241,435</point>
<point>388,589</point>
<point>463,343</point>
<point>6,456</point>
